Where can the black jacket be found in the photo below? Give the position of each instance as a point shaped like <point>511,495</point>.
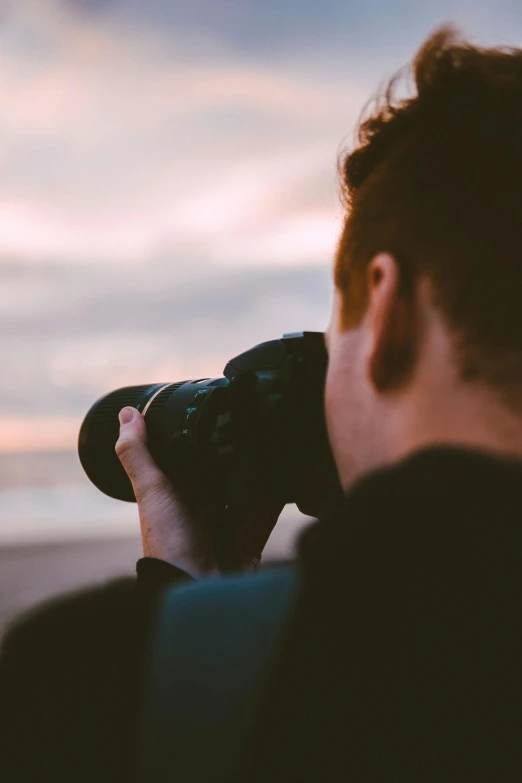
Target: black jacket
<point>402,658</point>
<point>71,681</point>
<point>391,653</point>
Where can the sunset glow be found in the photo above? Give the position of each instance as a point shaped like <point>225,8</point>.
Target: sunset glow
<point>19,434</point>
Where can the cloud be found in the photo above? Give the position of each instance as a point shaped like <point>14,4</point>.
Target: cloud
<point>92,300</point>
<point>168,191</point>
<point>30,434</point>
<point>247,26</point>
<point>375,34</point>
<point>117,138</point>
<point>83,331</point>
<point>125,126</point>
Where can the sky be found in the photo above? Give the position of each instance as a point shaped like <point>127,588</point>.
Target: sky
<point>168,182</point>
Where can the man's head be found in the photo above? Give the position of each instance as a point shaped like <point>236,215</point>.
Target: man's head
<point>425,340</point>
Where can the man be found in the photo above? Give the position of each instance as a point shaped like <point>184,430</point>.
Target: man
<point>392,650</point>
<point>397,654</point>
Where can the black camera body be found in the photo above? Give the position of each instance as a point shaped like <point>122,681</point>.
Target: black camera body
<point>254,436</point>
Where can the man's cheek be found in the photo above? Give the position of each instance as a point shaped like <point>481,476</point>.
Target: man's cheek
<point>331,404</point>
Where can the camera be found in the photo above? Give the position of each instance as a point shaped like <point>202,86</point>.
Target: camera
<point>256,435</point>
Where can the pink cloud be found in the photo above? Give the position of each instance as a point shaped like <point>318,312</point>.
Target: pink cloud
<point>19,434</point>
<point>111,145</point>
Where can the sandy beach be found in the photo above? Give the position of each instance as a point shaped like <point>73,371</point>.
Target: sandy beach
<point>32,573</point>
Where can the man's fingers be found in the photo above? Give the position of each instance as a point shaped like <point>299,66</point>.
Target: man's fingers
<point>254,529</point>
<point>135,456</point>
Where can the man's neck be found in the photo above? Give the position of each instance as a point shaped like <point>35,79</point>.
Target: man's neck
<point>469,418</point>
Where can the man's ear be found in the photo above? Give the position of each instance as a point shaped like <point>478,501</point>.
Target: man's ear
<point>391,323</point>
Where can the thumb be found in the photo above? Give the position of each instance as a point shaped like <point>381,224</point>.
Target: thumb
<point>131,448</point>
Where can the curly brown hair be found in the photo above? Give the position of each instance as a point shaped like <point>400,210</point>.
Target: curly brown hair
<point>436,180</point>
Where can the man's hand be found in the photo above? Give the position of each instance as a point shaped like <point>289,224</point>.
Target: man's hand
<point>172,532</point>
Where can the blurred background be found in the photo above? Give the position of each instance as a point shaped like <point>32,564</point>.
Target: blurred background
<point>168,198</point>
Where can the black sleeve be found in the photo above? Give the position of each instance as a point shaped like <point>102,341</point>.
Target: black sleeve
<point>70,681</point>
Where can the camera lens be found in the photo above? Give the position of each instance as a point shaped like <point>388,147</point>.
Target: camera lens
<point>178,435</point>
<point>256,434</point>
